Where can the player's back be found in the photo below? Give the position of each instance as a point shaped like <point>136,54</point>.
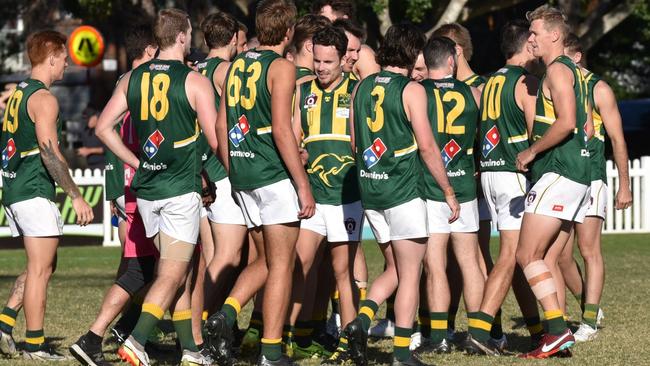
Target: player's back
<point>167,129</point>
<point>454,116</point>
<point>386,152</point>
<point>596,144</point>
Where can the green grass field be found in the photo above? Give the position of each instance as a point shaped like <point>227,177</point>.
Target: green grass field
<point>84,273</point>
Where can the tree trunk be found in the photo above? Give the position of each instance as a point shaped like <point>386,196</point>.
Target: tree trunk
<point>450,15</point>
<point>591,33</point>
<point>384,20</point>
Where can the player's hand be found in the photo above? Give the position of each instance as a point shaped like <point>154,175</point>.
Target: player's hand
<point>84,151</point>
<point>307,203</point>
<point>304,156</point>
<point>623,198</point>
<point>524,158</point>
<point>453,204</point>
<point>84,212</point>
<point>208,191</point>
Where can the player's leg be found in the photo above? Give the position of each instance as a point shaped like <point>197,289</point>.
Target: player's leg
<point>197,283</point>
<point>438,289</point>
<point>361,272</point>
<point>9,315</point>
<point>589,236</point>
<point>571,271</point>
<point>552,258</point>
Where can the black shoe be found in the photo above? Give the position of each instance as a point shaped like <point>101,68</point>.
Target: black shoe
<point>88,354</point>
<point>339,358</point>
<point>218,338</point>
<point>412,361</point>
<point>283,361</point>
<point>118,336</point>
<point>473,346</point>
<point>430,347</point>
<point>357,342</point>
<point>326,340</point>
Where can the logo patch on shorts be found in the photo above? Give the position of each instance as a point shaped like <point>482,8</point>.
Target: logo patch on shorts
<point>558,208</point>
<point>238,133</point>
<point>530,198</point>
<point>450,150</point>
<point>490,141</point>
<point>152,145</point>
<point>8,153</point>
<point>373,154</point>
<point>350,225</point>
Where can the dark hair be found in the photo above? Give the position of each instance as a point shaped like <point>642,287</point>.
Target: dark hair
<point>242,27</point>
<point>273,19</point>
<point>345,7</point>
<point>218,29</point>
<point>514,36</point>
<point>169,23</point>
<point>572,44</point>
<point>458,34</point>
<point>332,36</point>
<point>306,27</point>
<point>137,39</point>
<point>44,43</point>
<point>351,27</point>
<point>401,45</point>
<point>437,51</point>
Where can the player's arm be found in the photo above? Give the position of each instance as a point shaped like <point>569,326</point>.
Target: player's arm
<point>282,82</point>
<point>219,76</point>
<point>199,89</point>
<point>44,110</point>
<point>105,130</point>
<point>606,102</point>
<point>351,119</point>
<point>221,129</point>
<point>526,98</point>
<point>564,101</point>
<point>366,65</point>
<point>476,93</point>
<point>296,125</point>
<point>415,103</point>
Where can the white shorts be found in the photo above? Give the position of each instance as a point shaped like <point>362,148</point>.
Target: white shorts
<point>274,204</point>
<point>438,216</point>
<point>36,217</point>
<point>556,196</point>
<point>505,195</point>
<point>598,199</point>
<point>177,216</point>
<point>224,209</point>
<point>483,210</point>
<point>339,223</point>
<point>120,207</point>
<point>406,221</point>
<point>203,212</point>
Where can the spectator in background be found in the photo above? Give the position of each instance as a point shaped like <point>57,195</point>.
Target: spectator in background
<point>92,149</point>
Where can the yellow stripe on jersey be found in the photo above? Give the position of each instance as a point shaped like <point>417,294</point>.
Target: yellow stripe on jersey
<point>264,130</point>
<point>31,152</point>
<point>339,124</point>
<point>407,150</point>
<point>189,140</point>
<point>326,136</point>
<point>518,138</point>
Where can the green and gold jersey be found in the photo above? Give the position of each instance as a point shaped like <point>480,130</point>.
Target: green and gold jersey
<point>302,72</point>
<point>23,174</point>
<point>167,130</point>
<point>113,173</point>
<point>475,80</point>
<point>503,124</point>
<point>453,114</point>
<point>596,144</point>
<point>390,171</point>
<point>254,159</point>
<point>212,166</point>
<point>324,115</point>
<point>570,158</point>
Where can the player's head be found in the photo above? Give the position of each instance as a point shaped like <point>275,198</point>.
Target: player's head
<point>460,35</point>
<point>242,40</point>
<point>330,46</point>
<point>355,36</point>
<point>172,28</point>
<point>220,31</point>
<point>305,29</point>
<point>440,54</point>
<point>274,21</point>
<point>47,49</point>
<point>140,43</point>
<point>573,48</point>
<point>401,45</point>
<point>548,30</point>
<point>420,71</point>
<point>333,9</point>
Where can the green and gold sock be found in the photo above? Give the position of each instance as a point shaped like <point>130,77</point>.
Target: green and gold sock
<point>590,315</point>
<point>8,320</point>
<point>151,314</point>
<point>497,330</point>
<point>231,309</point>
<point>438,326</point>
<point>555,321</point>
<point>401,343</point>
<point>479,325</point>
<point>182,321</point>
<point>271,349</point>
<point>343,344</point>
<point>367,313</point>
<point>34,340</point>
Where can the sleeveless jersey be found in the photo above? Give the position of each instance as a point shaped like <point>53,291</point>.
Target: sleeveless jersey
<point>475,80</point>
<point>113,172</point>
<point>24,175</point>
<point>570,158</point>
<point>324,116</point>
<point>167,130</point>
<point>596,144</point>
<point>503,124</point>
<point>254,159</point>
<point>212,166</point>
<point>390,171</point>
<point>301,72</point>
<point>454,115</point>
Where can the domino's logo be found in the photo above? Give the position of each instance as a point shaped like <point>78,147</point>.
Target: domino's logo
<point>8,152</point>
<point>152,145</point>
<point>238,133</point>
<point>450,150</point>
<point>490,141</point>
<point>373,154</point>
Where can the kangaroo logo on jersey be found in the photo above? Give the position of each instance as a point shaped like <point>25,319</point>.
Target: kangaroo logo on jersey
<point>8,153</point>
<point>372,154</point>
<point>238,133</point>
<point>490,141</point>
<point>450,150</point>
<point>328,165</point>
<point>153,143</point>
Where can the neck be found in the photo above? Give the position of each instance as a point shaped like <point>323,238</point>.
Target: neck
<point>397,70</point>
<point>304,60</point>
<point>517,60</point>
<point>175,53</point>
<point>437,74</point>
<point>223,53</point>
<point>41,74</point>
<point>137,63</point>
<point>464,71</point>
<point>331,84</point>
<point>279,48</point>
<point>552,55</point>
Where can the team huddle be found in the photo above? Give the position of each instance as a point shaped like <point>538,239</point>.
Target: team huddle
<point>248,176</point>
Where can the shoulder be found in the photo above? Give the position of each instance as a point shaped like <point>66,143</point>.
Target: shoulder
<point>281,64</point>
<point>603,92</point>
<point>413,89</point>
<point>366,51</point>
<point>43,99</point>
<point>558,70</point>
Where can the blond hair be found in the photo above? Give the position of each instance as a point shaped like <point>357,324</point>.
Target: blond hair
<point>552,17</point>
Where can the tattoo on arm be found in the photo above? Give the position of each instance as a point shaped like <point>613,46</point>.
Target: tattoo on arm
<point>58,169</point>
